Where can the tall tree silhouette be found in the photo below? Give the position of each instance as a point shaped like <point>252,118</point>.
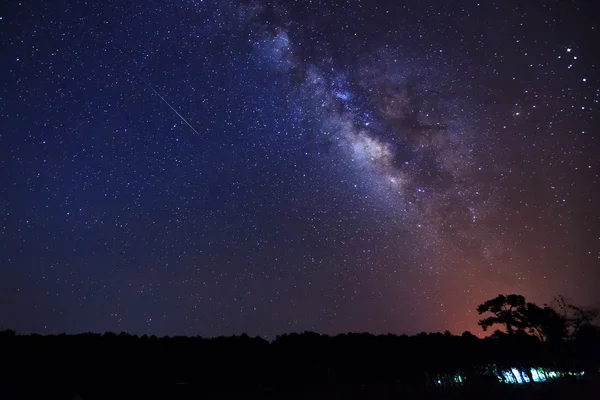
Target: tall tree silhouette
<point>544,323</point>
<point>507,310</point>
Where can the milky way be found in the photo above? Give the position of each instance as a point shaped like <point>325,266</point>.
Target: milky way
<point>209,168</point>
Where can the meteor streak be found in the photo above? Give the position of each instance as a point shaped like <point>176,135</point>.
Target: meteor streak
<point>170,106</point>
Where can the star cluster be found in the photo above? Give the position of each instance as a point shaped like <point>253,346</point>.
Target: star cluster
<point>208,168</point>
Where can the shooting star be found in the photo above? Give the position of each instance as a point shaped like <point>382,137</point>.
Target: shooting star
<point>170,106</point>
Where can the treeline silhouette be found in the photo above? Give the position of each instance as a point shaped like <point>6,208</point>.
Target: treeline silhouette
<point>291,362</point>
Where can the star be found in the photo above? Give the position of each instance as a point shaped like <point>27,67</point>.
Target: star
<point>214,169</point>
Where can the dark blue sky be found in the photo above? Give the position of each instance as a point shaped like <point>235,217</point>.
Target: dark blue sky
<point>208,168</point>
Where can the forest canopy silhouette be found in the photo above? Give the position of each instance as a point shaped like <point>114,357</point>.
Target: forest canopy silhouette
<point>557,336</point>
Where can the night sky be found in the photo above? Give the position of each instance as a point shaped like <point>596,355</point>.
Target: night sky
<point>219,167</point>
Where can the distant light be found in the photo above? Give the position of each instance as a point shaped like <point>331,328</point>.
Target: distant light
<point>568,49</point>
<point>517,375</point>
<point>585,79</point>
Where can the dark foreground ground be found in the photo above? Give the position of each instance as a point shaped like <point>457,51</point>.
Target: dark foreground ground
<point>588,388</point>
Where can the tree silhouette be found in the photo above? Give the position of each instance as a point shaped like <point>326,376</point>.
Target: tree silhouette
<point>507,310</point>
<point>544,323</point>
<point>575,317</point>
<point>549,323</point>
